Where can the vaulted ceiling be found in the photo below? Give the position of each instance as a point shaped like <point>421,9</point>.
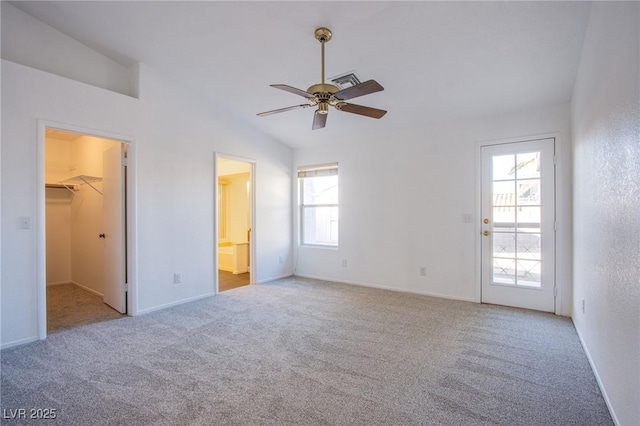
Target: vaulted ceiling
<point>438,61</point>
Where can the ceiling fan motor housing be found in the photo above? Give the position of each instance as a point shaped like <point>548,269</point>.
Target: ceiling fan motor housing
<point>323,89</point>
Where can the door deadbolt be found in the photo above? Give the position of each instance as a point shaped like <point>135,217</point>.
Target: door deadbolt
<point>486,221</point>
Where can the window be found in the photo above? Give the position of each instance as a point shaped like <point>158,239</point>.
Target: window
<point>319,204</point>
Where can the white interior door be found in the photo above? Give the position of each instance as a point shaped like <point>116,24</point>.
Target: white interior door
<point>518,224</point>
<point>114,228</point>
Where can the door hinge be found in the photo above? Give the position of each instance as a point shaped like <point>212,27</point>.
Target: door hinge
<point>126,286</point>
<point>555,160</point>
<point>555,291</point>
<point>125,162</point>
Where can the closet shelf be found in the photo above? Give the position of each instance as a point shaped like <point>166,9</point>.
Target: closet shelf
<point>82,180</point>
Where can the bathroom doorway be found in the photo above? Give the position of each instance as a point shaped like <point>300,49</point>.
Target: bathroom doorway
<point>234,207</point>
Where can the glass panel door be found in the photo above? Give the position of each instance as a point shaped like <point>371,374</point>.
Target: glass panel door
<point>518,224</point>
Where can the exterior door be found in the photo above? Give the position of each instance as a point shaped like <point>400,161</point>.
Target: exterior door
<point>518,224</point>
<point>114,228</point>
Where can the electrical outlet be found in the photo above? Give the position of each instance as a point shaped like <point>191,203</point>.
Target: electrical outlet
<point>177,278</point>
<point>423,271</point>
<point>344,263</point>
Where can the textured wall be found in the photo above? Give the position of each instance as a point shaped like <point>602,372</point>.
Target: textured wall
<point>606,122</point>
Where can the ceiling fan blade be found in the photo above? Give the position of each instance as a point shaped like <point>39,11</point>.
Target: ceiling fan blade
<point>362,110</point>
<point>276,111</point>
<point>319,121</point>
<point>293,90</point>
<point>369,86</point>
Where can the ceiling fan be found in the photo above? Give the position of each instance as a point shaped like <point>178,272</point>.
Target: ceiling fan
<point>324,95</point>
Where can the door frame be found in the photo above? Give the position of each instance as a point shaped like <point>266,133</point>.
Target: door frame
<point>130,231</point>
<point>478,220</point>
<point>252,212</point>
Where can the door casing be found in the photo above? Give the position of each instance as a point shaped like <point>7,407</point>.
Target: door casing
<point>131,239</point>
<point>252,239</point>
<point>478,216</point>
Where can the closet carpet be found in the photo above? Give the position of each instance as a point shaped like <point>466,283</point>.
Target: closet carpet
<point>299,351</point>
<point>70,306</point>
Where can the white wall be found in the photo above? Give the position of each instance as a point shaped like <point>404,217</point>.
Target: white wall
<point>29,95</point>
<point>176,188</point>
<point>606,152</point>
<point>58,211</point>
<point>58,223</point>
<point>173,154</point>
<point>30,42</point>
<point>402,200</point>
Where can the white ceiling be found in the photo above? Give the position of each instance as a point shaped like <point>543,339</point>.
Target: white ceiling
<point>438,61</point>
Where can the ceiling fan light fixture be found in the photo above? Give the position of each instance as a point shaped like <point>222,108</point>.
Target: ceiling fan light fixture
<point>323,108</point>
<point>325,94</point>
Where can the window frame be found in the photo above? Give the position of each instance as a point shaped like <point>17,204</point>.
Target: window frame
<point>306,172</point>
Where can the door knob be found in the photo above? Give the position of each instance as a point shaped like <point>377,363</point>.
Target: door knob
<point>486,233</point>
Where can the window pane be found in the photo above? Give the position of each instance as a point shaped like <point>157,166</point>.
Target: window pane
<point>529,246</point>
<point>504,219</point>
<point>504,193</point>
<point>504,271</point>
<point>504,167</point>
<point>529,273</point>
<point>320,225</point>
<point>529,219</point>
<point>504,245</point>
<point>529,165</point>
<point>320,190</point>
<point>529,192</point>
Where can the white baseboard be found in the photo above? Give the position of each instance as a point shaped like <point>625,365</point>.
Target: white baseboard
<point>90,290</point>
<point>20,342</point>
<point>595,373</point>
<point>58,283</point>
<point>266,280</point>
<point>381,287</point>
<point>176,303</point>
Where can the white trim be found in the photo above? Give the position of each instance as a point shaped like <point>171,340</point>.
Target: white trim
<point>595,373</point>
<point>132,252</point>
<point>56,283</point>
<point>90,290</point>
<point>559,286</point>
<point>279,277</point>
<point>381,287</point>
<point>176,303</point>
<point>20,342</point>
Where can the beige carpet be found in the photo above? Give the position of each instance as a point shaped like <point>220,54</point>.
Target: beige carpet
<point>70,306</point>
<point>299,351</point>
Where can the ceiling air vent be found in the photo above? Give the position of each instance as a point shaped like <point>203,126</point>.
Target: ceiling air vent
<point>346,80</point>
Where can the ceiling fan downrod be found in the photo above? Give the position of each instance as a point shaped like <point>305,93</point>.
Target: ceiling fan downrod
<point>323,35</point>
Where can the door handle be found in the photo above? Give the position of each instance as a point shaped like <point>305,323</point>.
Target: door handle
<point>101,236</point>
<point>486,233</point>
